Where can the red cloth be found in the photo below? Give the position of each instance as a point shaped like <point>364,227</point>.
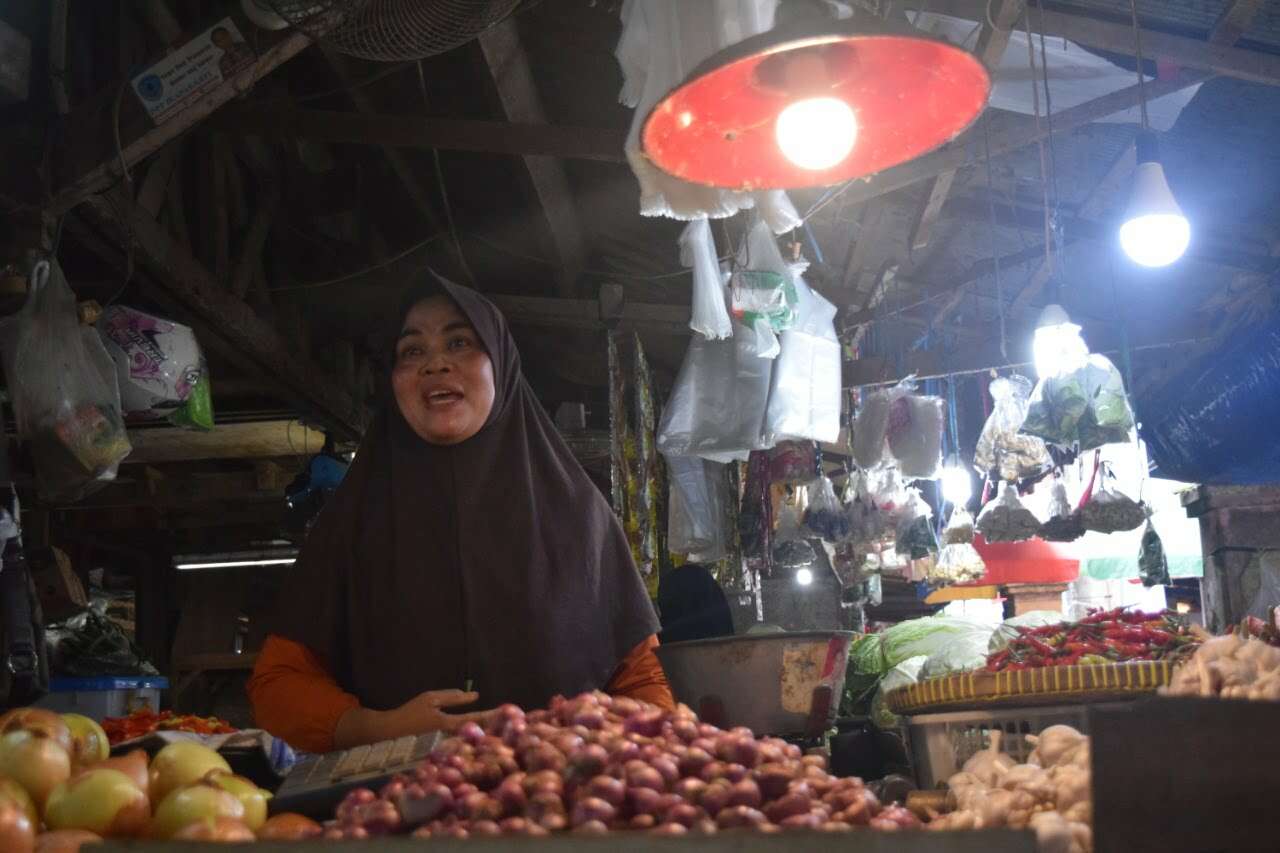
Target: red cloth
<point>1031,561</point>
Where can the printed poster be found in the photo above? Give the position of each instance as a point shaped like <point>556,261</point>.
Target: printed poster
<point>193,70</point>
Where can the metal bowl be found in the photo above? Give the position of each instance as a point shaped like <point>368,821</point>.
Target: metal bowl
<point>776,684</point>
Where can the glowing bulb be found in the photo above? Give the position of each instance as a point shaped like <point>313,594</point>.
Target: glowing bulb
<point>1057,346</point>
<point>1154,233</point>
<point>957,487</point>
<point>816,133</point>
<point>804,577</point>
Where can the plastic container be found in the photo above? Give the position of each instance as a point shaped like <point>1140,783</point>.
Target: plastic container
<point>105,695</point>
<point>940,744</point>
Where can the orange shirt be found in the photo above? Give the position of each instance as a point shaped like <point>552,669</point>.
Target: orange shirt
<point>296,698</point>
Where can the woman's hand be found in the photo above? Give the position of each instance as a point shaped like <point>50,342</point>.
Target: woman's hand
<point>423,713</point>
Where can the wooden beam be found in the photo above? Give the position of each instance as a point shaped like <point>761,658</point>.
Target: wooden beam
<point>1010,132</point>
<point>990,49</point>
<point>92,169</point>
<point>592,314</point>
<point>251,252</point>
<point>407,131</point>
<point>509,66</point>
<point>156,184</point>
<point>865,239</point>
<point>200,293</point>
<point>1212,58</point>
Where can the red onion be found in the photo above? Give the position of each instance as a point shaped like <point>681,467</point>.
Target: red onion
<point>644,801</point>
<point>737,817</point>
<point>715,797</point>
<point>745,793</point>
<point>666,768</point>
<point>684,814</point>
<point>612,791</point>
<point>801,821</point>
<point>643,821</point>
<point>670,829</point>
<point>641,775</point>
<point>690,790</point>
<point>694,762</point>
<point>592,810</point>
<point>787,806</point>
<point>591,827</point>
<point>773,779</point>
<point>485,827</point>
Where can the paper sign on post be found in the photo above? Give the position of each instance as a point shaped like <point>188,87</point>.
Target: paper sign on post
<point>193,70</point>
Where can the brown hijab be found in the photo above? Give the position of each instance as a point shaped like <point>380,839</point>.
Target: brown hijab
<point>495,560</point>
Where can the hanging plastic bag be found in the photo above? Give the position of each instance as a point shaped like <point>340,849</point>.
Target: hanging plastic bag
<point>793,462</point>
<point>717,405</point>
<point>1064,524</point>
<point>825,515</point>
<point>762,288</point>
<point>1085,408</point>
<point>197,412</point>
<point>755,520</point>
<point>872,423</point>
<point>158,362</point>
<point>958,562</point>
<point>1153,566</point>
<point>1001,448</point>
<point>914,434</point>
<point>915,539</point>
<point>1110,511</point>
<point>710,315</point>
<point>791,548</point>
<point>1005,519</point>
<point>804,397</point>
<point>64,391</point>
<point>959,529</point>
<point>695,512</point>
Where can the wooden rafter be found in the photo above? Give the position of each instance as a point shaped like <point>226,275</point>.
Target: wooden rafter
<point>991,46</point>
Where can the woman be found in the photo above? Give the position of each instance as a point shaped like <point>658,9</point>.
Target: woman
<point>466,546</point>
<point>693,605</point>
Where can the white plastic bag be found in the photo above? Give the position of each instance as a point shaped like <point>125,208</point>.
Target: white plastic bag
<point>695,514</point>
<point>872,423</point>
<point>1012,455</point>
<point>63,386</point>
<point>825,515</point>
<point>1005,519</point>
<point>710,317</point>
<point>804,399</point>
<point>915,434</point>
<point>717,405</point>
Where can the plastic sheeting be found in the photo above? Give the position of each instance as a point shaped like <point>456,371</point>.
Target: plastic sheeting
<point>1215,422</point>
<point>662,41</point>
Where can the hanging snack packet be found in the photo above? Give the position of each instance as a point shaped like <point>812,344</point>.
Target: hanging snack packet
<point>1110,511</point>
<point>791,549</point>
<point>825,515</point>
<point>1153,566</point>
<point>1005,519</point>
<point>915,539</point>
<point>1064,524</point>
<point>957,563</point>
<point>959,529</point>
<point>915,435</point>
<point>1001,447</point>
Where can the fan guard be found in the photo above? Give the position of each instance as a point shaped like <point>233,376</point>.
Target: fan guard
<point>393,30</point>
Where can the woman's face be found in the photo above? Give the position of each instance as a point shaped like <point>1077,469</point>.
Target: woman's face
<point>443,378</point>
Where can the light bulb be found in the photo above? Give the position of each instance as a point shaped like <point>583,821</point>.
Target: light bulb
<point>1154,233</point>
<point>816,133</point>
<point>804,577</point>
<point>957,488</point>
<point>1057,346</point>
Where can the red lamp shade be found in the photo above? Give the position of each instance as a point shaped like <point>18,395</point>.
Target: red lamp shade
<point>909,94</point>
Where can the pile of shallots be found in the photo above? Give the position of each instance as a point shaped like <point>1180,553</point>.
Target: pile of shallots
<point>1050,794</point>
<point>595,764</point>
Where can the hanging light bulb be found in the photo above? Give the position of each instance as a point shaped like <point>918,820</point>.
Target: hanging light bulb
<point>816,133</point>
<point>1057,347</point>
<point>1154,233</point>
<point>815,102</point>
<point>957,486</point>
<point>804,577</point>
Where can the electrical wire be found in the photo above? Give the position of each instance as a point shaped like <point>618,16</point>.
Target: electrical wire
<point>1137,43</point>
<point>1044,183</point>
<point>311,285</point>
<point>444,193</point>
<point>991,211</point>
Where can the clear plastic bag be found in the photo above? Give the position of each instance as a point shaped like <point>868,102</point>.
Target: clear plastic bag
<point>804,397</point>
<point>959,529</point>
<point>915,435</point>
<point>762,287</point>
<point>695,512</point>
<point>1153,565</point>
<point>710,315</point>
<point>1005,519</point>
<point>63,386</point>
<point>1085,408</point>
<point>872,424</point>
<point>717,405</point>
<point>1064,524</point>
<point>825,515</point>
<point>1001,447</point>
<point>1110,511</point>
<point>791,548</point>
<point>958,562</point>
<point>914,536</point>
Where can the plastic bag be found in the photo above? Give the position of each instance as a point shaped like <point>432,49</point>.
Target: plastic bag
<point>63,386</point>
<point>793,462</point>
<point>1085,408</point>
<point>710,315</point>
<point>1153,566</point>
<point>825,515</point>
<point>915,539</point>
<point>1110,511</point>
<point>959,529</point>
<point>915,435</point>
<point>197,411</point>
<point>158,362</point>
<point>872,424</point>
<point>965,650</point>
<point>1005,519</point>
<point>804,397</point>
<point>717,405</point>
<point>695,513</point>
<point>762,286</point>
<point>1064,524</point>
<point>1001,447</point>
<point>958,562</point>
<point>791,549</point>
